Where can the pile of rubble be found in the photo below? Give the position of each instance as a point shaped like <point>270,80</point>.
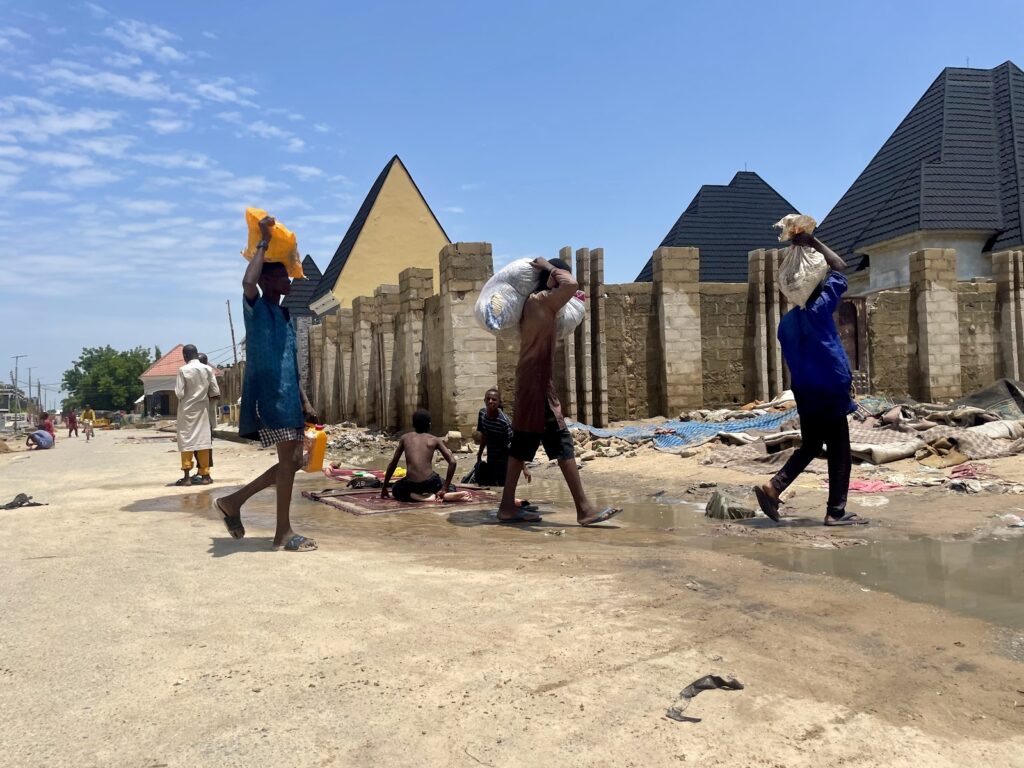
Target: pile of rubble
<point>349,438</point>
<point>589,448</point>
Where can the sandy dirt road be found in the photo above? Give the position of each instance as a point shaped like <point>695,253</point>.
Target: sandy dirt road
<point>135,632</point>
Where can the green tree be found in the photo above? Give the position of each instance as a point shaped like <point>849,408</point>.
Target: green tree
<point>106,378</point>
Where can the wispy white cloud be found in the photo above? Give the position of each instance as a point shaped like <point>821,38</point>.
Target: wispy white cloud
<point>105,146</point>
<point>90,177</point>
<point>323,218</point>
<point>454,209</point>
<point>321,127</point>
<point>12,150</point>
<point>120,60</point>
<point>151,207</point>
<point>210,35</point>
<point>9,166</point>
<point>36,120</point>
<point>304,172</point>
<point>12,37</point>
<point>60,159</point>
<point>470,186</point>
<point>42,196</point>
<point>97,11</point>
<point>195,161</point>
<point>224,90</point>
<point>146,38</point>
<point>7,180</point>
<point>146,86</point>
<point>265,130</point>
<point>165,121</point>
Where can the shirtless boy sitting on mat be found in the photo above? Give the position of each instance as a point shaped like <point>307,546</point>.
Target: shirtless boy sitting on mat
<point>421,482</point>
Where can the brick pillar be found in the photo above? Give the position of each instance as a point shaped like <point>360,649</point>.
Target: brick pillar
<point>677,306</point>
<point>408,386</point>
<point>934,300</point>
<point>364,310</point>
<point>777,306</point>
<point>598,358</point>
<point>329,374</point>
<point>380,406</point>
<point>344,361</point>
<point>565,360</point>
<point>315,346</point>
<point>584,371</point>
<point>1006,269</point>
<point>757,333</point>
<point>469,353</point>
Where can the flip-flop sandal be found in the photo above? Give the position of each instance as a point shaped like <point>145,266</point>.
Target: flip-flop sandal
<point>521,516</point>
<point>232,522</point>
<point>768,505</point>
<point>847,519</point>
<point>297,543</point>
<point>604,515</point>
<point>183,481</point>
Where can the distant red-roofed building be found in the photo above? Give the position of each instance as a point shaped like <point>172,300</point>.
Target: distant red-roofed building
<point>158,383</point>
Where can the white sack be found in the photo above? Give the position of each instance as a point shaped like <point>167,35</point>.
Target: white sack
<point>503,297</point>
<point>802,269</point>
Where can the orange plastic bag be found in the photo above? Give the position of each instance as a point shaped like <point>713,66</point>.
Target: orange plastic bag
<point>283,246</point>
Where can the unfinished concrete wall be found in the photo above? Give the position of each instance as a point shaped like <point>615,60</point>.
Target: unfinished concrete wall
<point>327,402</point>
<point>892,343</point>
<point>933,295</point>
<point>470,357</point>
<point>980,362</point>
<point>432,361</point>
<point>634,360</point>
<point>364,310</point>
<point>381,407</point>
<point>344,358</point>
<point>1008,273</point>
<point>725,325</point>
<point>408,386</point>
<point>598,340</point>
<point>678,308</point>
<point>315,344</point>
<point>507,347</point>
<point>301,325</point>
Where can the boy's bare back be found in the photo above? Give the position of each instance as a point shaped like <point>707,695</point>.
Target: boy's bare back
<point>419,449</point>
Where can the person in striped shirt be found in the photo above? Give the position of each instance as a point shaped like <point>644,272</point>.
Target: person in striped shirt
<point>493,432</point>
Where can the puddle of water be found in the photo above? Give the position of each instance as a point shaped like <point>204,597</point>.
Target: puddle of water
<point>982,578</point>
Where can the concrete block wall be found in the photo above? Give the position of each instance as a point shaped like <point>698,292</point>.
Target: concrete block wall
<point>381,407</point>
<point>980,362</point>
<point>327,402</point>
<point>408,387</point>
<point>726,321</point>
<point>364,312</point>
<point>581,341</point>
<point>933,296</point>
<point>598,347</point>
<point>344,358</point>
<point>1008,274</point>
<point>631,341</point>
<point>678,310</point>
<point>892,343</point>
<point>470,357</point>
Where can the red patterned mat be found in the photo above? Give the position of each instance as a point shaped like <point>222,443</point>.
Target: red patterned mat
<point>369,502</point>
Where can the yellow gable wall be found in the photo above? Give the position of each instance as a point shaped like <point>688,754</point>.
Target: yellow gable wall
<point>400,232</point>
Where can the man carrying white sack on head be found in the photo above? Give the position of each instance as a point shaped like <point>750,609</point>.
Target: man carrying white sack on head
<point>821,379</point>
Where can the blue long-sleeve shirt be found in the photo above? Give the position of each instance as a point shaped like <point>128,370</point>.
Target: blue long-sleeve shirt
<point>818,366</point>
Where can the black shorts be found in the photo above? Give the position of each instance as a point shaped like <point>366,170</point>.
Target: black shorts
<point>405,488</point>
<point>557,441</point>
<point>492,472</point>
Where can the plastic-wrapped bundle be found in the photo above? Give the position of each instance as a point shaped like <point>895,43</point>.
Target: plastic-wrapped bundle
<point>802,269</point>
<point>502,299</point>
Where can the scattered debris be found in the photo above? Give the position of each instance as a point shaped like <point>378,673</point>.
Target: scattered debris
<point>706,683</point>
<point>724,507</point>
<point>22,500</point>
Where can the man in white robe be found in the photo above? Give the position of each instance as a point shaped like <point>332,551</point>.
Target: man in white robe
<point>195,386</point>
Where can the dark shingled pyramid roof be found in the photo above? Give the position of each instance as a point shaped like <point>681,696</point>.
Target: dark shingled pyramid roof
<point>726,223</point>
<point>348,242</point>
<point>297,302</point>
<point>955,162</point>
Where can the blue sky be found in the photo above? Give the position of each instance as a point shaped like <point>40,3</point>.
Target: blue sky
<point>132,135</point>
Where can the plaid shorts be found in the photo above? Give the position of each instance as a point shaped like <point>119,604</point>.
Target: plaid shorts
<point>269,437</point>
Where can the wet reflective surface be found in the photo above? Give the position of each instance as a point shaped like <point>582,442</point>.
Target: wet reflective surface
<point>982,578</point>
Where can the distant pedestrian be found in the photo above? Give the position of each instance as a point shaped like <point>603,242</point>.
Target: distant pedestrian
<point>273,406</point>
<point>494,433</point>
<point>88,417</point>
<point>72,421</point>
<point>193,388</point>
<point>821,380</point>
<point>214,402</point>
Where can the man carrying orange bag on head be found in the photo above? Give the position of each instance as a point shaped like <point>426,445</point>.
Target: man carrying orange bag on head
<point>274,407</point>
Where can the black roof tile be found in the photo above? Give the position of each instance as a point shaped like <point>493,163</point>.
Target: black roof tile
<point>301,296</point>
<point>726,222</point>
<point>956,161</point>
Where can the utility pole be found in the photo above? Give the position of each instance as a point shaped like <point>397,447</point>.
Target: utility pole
<point>30,383</point>
<point>39,394</point>
<point>231,325</point>
<point>15,409</point>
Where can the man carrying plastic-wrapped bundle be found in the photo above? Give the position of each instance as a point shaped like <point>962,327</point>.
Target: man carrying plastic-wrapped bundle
<point>538,413</point>
<point>821,379</point>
